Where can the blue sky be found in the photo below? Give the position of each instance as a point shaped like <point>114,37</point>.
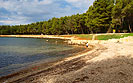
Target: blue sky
<point>15,12</point>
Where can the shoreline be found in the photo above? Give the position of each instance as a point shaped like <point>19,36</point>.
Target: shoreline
<point>23,70</point>
<point>22,73</point>
<point>39,36</point>
<point>106,62</point>
<point>72,40</point>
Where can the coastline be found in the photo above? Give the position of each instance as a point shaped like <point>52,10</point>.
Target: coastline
<point>39,36</point>
<point>106,62</point>
<point>40,67</point>
<point>49,63</point>
<point>73,40</point>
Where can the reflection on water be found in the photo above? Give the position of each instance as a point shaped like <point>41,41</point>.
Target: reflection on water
<point>16,53</point>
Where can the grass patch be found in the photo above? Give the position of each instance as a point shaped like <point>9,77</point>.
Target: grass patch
<point>83,36</point>
<point>113,36</point>
<point>102,37</point>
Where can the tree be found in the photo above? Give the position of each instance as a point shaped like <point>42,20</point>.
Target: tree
<point>123,14</point>
<point>100,18</point>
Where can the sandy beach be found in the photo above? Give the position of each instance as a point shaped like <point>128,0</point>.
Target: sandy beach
<point>106,63</point>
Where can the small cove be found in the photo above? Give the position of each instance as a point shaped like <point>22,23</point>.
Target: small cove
<point>18,53</point>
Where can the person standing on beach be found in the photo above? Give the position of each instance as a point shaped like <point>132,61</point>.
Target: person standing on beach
<point>87,44</point>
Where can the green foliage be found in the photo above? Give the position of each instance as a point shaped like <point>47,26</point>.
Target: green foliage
<point>122,14</point>
<point>114,36</point>
<point>103,37</point>
<point>84,36</point>
<point>101,17</point>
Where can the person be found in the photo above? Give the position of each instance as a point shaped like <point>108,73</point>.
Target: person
<point>87,44</point>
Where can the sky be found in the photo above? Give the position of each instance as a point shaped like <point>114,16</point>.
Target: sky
<point>16,12</point>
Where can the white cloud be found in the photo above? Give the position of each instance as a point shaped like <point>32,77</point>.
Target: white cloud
<point>27,11</point>
<point>73,0</point>
<point>80,3</point>
<point>11,22</point>
<point>44,2</point>
<point>31,6</point>
<point>14,20</point>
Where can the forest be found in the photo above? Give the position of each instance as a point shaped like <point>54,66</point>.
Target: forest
<point>101,17</point>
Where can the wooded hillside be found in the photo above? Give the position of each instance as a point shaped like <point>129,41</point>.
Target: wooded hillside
<point>101,17</point>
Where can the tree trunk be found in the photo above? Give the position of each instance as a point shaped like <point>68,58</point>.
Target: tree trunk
<point>88,32</point>
<point>130,28</point>
<point>82,30</point>
<point>109,29</point>
<point>72,31</point>
<point>120,21</point>
<point>91,32</point>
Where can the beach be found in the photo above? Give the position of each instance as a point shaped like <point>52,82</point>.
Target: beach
<point>109,62</point>
<point>66,41</point>
<point>39,36</point>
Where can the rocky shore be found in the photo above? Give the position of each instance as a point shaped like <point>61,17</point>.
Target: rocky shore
<point>39,36</point>
<point>108,62</point>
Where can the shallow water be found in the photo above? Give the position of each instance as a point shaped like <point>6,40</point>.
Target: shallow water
<point>17,53</point>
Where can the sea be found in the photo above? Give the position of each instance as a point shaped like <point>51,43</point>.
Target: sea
<point>19,53</point>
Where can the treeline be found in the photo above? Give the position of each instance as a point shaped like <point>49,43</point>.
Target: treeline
<point>101,17</point>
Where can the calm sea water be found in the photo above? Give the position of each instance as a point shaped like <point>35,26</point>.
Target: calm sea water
<point>17,53</point>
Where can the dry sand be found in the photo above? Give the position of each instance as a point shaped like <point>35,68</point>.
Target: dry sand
<point>107,63</point>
